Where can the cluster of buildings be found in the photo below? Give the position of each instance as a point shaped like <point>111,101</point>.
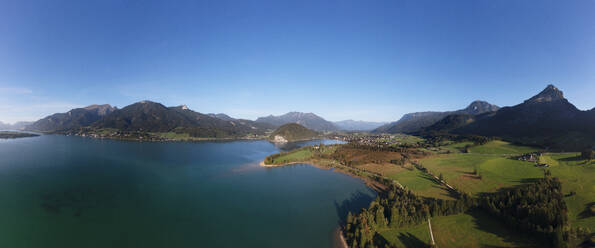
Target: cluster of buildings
<point>121,135</point>
<point>532,157</point>
<point>380,140</point>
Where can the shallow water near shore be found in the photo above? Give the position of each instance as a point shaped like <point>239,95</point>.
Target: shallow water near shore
<point>60,191</point>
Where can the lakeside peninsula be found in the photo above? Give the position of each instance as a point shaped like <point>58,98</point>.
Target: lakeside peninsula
<point>15,135</point>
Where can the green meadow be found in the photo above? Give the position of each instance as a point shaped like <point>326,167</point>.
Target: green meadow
<point>456,147</point>
<point>499,147</point>
<point>474,229</point>
<point>421,183</point>
<point>497,168</point>
<point>173,135</point>
<point>405,139</point>
<point>494,171</point>
<point>578,176</point>
<point>294,156</point>
<point>491,161</point>
<point>303,154</point>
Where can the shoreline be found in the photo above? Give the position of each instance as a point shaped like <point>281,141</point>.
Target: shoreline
<point>262,164</point>
<point>155,139</point>
<point>296,140</point>
<point>342,238</point>
<point>168,139</point>
<point>190,139</point>
<point>376,186</point>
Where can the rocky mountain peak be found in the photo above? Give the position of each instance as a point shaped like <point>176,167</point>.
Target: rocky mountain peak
<point>549,94</point>
<point>148,102</point>
<point>296,114</point>
<point>478,107</point>
<point>102,110</point>
<point>221,116</point>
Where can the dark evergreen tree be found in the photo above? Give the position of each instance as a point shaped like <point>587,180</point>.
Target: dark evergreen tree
<point>537,207</point>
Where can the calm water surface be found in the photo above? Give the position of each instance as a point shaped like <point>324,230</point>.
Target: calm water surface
<point>59,191</point>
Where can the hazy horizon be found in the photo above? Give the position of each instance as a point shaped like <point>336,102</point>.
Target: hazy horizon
<point>339,60</point>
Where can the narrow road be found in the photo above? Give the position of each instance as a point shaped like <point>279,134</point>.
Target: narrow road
<point>431,234</point>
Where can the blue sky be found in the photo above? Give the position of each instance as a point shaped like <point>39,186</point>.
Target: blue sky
<point>364,60</point>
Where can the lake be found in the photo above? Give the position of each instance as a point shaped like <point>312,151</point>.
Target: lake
<point>64,191</point>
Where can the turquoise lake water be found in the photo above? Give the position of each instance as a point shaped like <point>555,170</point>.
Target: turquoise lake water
<point>61,191</point>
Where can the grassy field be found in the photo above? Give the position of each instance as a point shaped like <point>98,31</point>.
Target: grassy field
<point>173,135</point>
<point>385,169</point>
<point>413,236</point>
<point>406,139</point>
<point>421,184</point>
<point>473,229</point>
<point>577,175</point>
<point>456,147</point>
<point>304,154</point>
<point>501,147</point>
<point>496,171</point>
<point>293,156</point>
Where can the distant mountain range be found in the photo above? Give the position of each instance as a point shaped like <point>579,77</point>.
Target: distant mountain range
<point>415,122</point>
<point>147,116</point>
<point>17,126</point>
<point>546,119</point>
<point>308,120</point>
<point>4,125</point>
<point>315,122</point>
<point>351,125</point>
<point>75,118</point>
<point>221,116</point>
<point>150,116</point>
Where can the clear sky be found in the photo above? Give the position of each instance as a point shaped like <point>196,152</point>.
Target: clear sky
<point>363,60</point>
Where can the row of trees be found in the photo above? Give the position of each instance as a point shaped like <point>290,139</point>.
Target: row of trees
<point>397,208</point>
<point>536,208</point>
<point>588,154</point>
<point>378,148</point>
<point>438,139</point>
<point>271,158</point>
